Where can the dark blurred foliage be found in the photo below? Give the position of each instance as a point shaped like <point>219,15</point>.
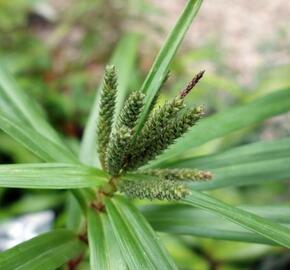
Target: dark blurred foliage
<point>58,57</point>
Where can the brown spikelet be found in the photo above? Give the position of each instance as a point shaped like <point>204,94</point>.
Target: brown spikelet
<point>192,83</point>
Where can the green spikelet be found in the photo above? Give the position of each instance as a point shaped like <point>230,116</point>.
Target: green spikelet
<point>163,115</point>
<point>131,110</point>
<point>180,174</point>
<point>159,189</point>
<point>118,146</point>
<point>163,127</point>
<point>106,114</point>
<point>163,136</point>
<point>120,141</point>
<point>158,119</point>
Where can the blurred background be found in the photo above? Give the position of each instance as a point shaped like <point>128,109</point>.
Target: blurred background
<point>57,51</point>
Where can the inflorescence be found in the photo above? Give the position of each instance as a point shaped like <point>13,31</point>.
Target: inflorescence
<point>121,149</point>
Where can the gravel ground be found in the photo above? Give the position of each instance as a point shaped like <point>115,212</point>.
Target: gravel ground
<point>251,34</point>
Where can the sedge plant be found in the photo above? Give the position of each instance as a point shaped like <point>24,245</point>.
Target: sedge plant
<point>133,148</point>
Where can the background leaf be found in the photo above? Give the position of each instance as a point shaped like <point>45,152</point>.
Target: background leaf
<point>39,145</point>
<point>24,109</point>
<point>74,212</point>
<point>186,220</point>
<point>266,228</point>
<point>46,252</point>
<point>255,163</point>
<point>104,250</point>
<point>254,152</point>
<point>140,246</point>
<point>50,176</point>
<point>247,174</point>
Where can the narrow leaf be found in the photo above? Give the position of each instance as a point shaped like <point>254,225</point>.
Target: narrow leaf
<point>104,250</point>
<point>161,64</point>
<point>24,109</point>
<point>247,174</point>
<point>186,220</point>
<point>228,121</point>
<point>246,165</point>
<point>139,244</point>
<point>73,212</point>
<point>264,227</point>
<point>254,152</point>
<point>50,176</point>
<point>39,145</point>
<point>46,252</point>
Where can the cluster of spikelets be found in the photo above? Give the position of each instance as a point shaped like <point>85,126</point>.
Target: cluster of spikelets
<point>121,149</point>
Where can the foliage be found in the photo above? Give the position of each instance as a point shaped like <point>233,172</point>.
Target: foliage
<point>110,226</point>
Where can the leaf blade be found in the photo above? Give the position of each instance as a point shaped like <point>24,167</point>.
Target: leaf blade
<point>266,228</point>
<point>47,252</point>
<point>136,239</point>
<point>186,220</point>
<point>104,251</point>
<point>245,165</point>
<point>24,109</point>
<point>253,152</point>
<point>247,174</point>
<point>39,145</point>
<point>50,176</point>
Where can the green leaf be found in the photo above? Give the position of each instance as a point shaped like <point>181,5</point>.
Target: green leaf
<point>50,176</point>
<point>160,66</point>
<point>73,211</point>
<point>20,107</point>
<point>41,146</point>
<point>247,174</point>
<point>246,165</point>
<point>223,123</point>
<point>250,153</point>
<point>104,250</point>
<point>186,220</point>
<point>264,227</point>
<point>123,58</point>
<point>46,252</point>
<point>138,242</point>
